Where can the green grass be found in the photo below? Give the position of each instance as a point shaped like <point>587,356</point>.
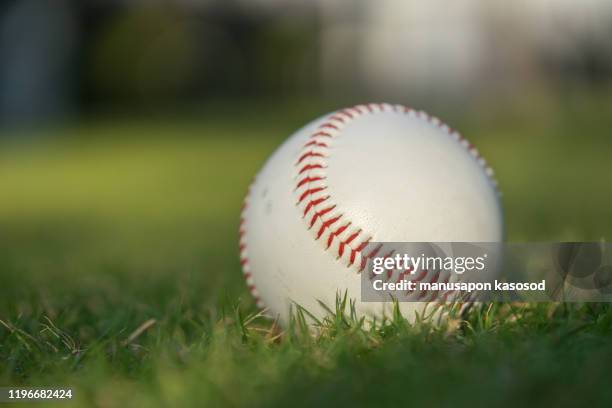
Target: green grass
<point>119,273</point>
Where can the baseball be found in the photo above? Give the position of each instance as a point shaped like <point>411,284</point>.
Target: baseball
<point>370,173</point>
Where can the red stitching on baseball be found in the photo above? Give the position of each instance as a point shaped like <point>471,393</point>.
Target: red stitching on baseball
<point>422,275</point>
<point>337,232</point>
<point>307,179</point>
<point>309,154</point>
<point>434,279</point>
<point>358,250</point>
<point>404,273</point>
<point>337,117</point>
<point>309,192</point>
<point>316,143</point>
<point>375,251</point>
<point>321,133</point>
<point>328,125</point>
<point>435,293</point>
<point>372,254</point>
<point>387,255</point>
<point>362,246</point>
<point>319,214</point>
<point>242,247</point>
<point>327,224</point>
<point>347,242</point>
<point>312,203</point>
<point>310,167</point>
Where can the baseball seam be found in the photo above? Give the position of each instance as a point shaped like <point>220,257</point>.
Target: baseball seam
<point>244,254</point>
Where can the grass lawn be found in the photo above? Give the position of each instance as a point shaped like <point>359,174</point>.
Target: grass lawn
<point>119,273</point>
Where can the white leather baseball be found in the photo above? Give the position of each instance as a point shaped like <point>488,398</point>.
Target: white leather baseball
<point>374,172</point>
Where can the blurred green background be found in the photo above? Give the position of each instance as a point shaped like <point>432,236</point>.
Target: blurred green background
<point>129,134</point>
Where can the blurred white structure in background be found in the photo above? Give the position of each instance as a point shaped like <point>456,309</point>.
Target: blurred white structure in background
<point>447,48</point>
<point>424,43</point>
